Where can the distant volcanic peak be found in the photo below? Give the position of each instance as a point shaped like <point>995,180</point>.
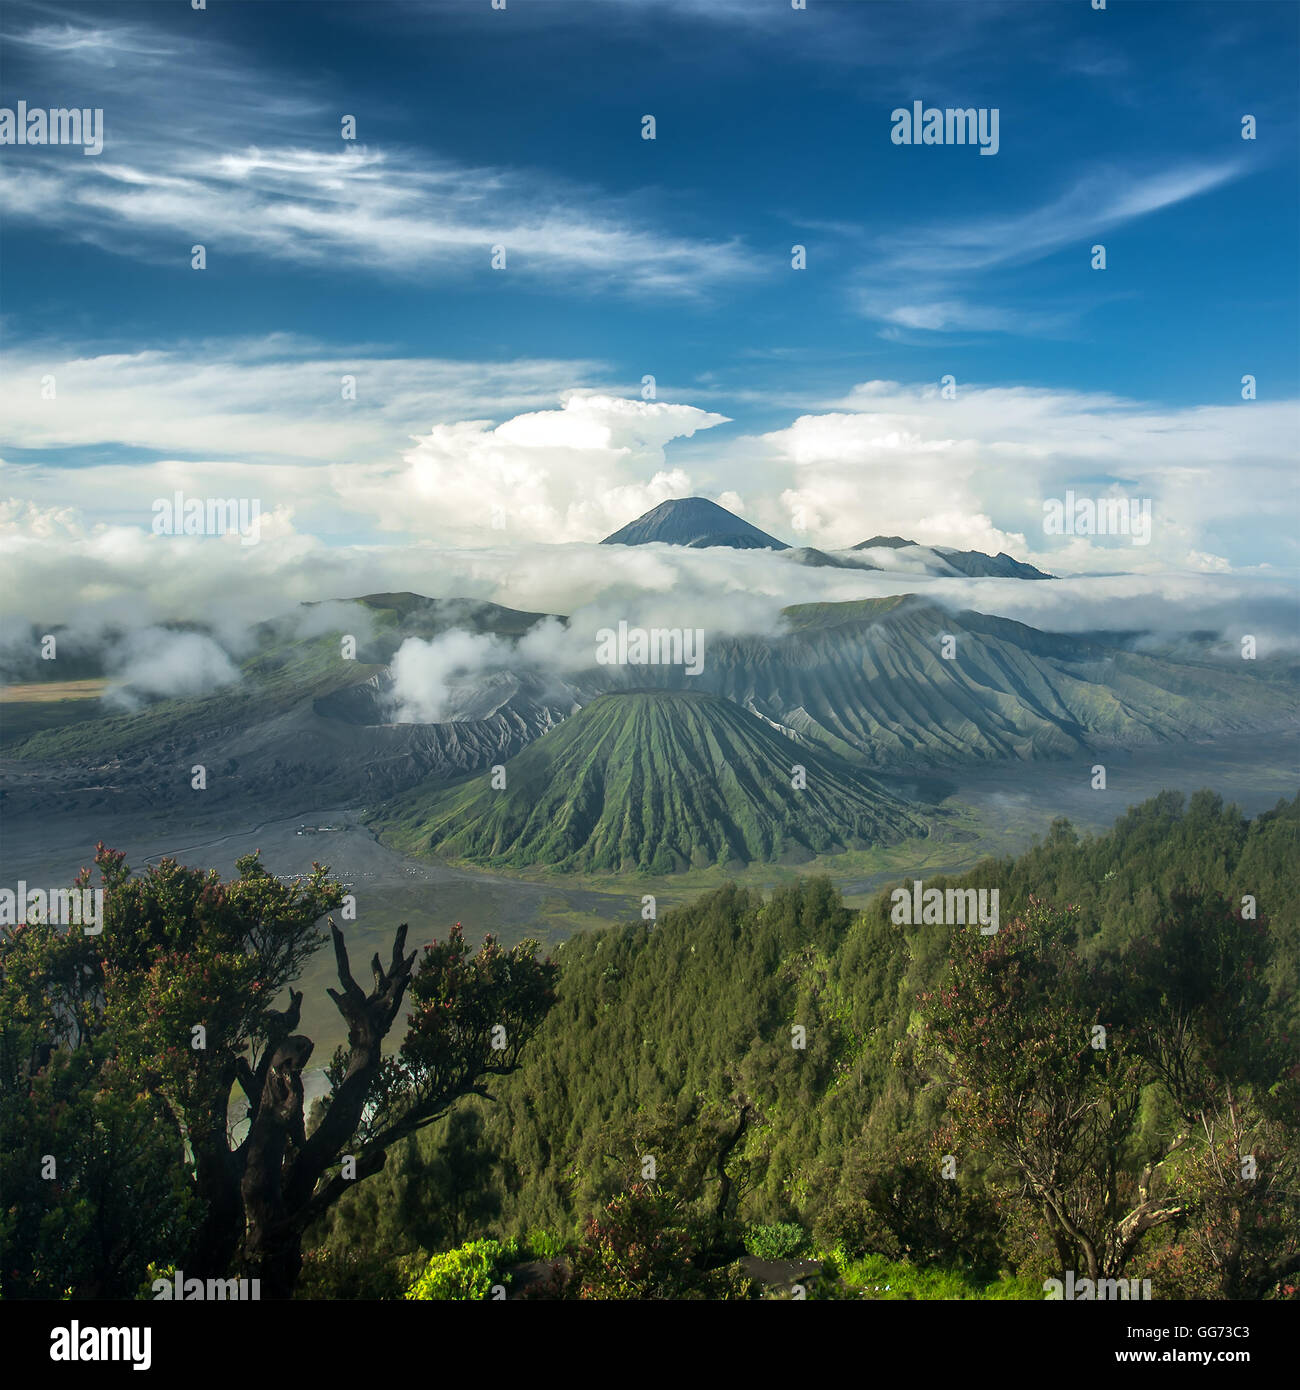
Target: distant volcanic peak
<point>979,565</point>
<point>821,559</point>
<point>694,522</point>
<point>883,543</point>
<point>975,564</point>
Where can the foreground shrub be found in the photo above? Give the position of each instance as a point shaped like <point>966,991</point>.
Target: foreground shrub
<point>642,1246</point>
<point>544,1244</point>
<point>465,1273</point>
<point>782,1240</point>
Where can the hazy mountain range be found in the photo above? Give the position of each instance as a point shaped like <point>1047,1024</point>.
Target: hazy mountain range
<point>699,523</point>
<point>613,767</point>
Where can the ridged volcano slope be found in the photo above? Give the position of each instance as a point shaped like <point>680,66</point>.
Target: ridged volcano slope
<point>868,679</point>
<point>656,781</point>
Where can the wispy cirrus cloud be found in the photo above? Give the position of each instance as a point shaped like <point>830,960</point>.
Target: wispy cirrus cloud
<point>91,43</point>
<point>1095,203</point>
<point>276,399</point>
<point>202,147</point>
<point>933,263</point>
<point>383,209</point>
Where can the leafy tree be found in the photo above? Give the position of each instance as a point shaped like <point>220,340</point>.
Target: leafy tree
<point>92,1186</point>
<point>1241,1183</point>
<point>1011,1035</point>
<point>179,986</point>
<point>1155,1127</point>
<point>1202,1020</point>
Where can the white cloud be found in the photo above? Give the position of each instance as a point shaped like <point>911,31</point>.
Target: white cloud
<point>202,144</point>
<point>1095,203</point>
<point>384,209</point>
<point>267,397</point>
<point>157,662</point>
<point>119,577</point>
<point>916,275</point>
<point>423,672</point>
<point>974,472</point>
<point>577,473</point>
<point>390,209</point>
<point>102,47</point>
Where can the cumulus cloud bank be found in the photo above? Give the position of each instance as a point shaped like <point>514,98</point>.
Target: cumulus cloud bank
<point>576,473</point>
<point>973,472</point>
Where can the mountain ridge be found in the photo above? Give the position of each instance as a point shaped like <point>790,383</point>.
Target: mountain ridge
<point>974,564</point>
<point>865,680</point>
<point>696,523</point>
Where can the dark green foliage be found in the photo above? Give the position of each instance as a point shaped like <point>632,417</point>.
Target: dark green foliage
<point>116,1199</point>
<point>896,1203</point>
<point>691,1011</point>
<point>121,1144</point>
<point>642,1245</point>
<point>97,1069</point>
<point>1010,1035</point>
<point>439,1187</point>
<point>350,1274</point>
<point>677,1042</point>
<point>667,1028</point>
<point>779,1240</point>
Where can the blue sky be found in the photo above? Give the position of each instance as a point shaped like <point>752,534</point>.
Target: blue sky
<point>781,390</point>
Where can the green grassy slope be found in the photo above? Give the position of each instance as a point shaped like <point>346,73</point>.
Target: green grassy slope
<point>653,781</point>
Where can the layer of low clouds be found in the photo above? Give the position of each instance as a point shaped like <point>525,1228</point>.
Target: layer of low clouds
<point>122,578</point>
<point>567,464</point>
